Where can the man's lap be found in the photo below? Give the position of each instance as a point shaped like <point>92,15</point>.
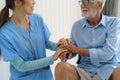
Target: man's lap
<point>84,75</point>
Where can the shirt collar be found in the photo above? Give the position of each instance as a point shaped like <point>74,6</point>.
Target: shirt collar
<point>102,22</point>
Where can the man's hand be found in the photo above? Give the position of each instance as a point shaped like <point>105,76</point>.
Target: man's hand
<point>63,42</point>
<point>72,48</point>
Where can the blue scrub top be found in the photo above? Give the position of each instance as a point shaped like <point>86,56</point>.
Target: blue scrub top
<point>12,47</point>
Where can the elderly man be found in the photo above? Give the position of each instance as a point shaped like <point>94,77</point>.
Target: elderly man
<point>96,39</point>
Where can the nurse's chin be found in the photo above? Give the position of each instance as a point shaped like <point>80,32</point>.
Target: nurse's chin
<point>30,13</point>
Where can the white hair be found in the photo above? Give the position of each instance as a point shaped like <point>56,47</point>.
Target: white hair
<point>103,2</point>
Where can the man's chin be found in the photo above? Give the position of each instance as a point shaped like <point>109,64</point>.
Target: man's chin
<point>84,15</point>
<point>87,16</point>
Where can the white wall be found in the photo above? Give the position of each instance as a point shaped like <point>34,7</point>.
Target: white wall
<point>1,4</point>
<point>118,9</point>
<point>59,15</point>
<point>4,70</point>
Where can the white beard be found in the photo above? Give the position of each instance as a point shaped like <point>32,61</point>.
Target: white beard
<point>90,14</point>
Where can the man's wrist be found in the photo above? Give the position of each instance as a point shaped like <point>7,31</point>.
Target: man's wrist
<point>77,50</point>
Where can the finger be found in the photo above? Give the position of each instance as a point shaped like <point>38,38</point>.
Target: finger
<point>60,46</point>
<point>59,43</point>
<point>60,57</point>
<point>69,41</point>
<point>63,59</point>
<point>64,41</point>
<point>66,47</point>
<point>63,50</point>
<point>70,55</point>
<point>64,56</point>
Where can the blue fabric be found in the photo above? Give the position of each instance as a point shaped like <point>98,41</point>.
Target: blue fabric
<point>51,45</point>
<point>103,42</point>
<point>24,66</point>
<point>13,47</point>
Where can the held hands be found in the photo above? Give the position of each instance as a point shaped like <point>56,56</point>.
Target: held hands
<point>72,48</point>
<point>58,53</point>
<point>62,44</point>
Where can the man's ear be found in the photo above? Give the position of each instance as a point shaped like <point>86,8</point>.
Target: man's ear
<point>99,5</point>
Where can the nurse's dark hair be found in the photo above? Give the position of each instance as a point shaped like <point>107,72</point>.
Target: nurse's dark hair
<point>4,13</point>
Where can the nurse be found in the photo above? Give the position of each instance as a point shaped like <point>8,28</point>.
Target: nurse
<point>24,38</point>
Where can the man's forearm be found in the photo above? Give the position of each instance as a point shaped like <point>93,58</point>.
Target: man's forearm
<point>82,51</point>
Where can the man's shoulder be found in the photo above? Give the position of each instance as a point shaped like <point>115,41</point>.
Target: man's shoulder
<point>112,19</point>
<point>112,22</point>
<point>79,22</point>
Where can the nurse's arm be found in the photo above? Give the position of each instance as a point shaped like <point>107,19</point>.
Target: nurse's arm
<point>51,45</point>
<point>24,66</point>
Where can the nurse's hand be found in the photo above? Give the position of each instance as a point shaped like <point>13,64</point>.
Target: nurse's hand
<point>58,53</point>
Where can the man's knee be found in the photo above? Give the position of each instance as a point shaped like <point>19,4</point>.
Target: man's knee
<point>61,70</point>
<point>66,70</point>
<point>116,71</point>
<point>115,74</point>
<point>61,66</point>
<point>64,67</point>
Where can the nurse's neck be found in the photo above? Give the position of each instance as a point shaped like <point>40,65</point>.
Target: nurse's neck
<point>20,20</point>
